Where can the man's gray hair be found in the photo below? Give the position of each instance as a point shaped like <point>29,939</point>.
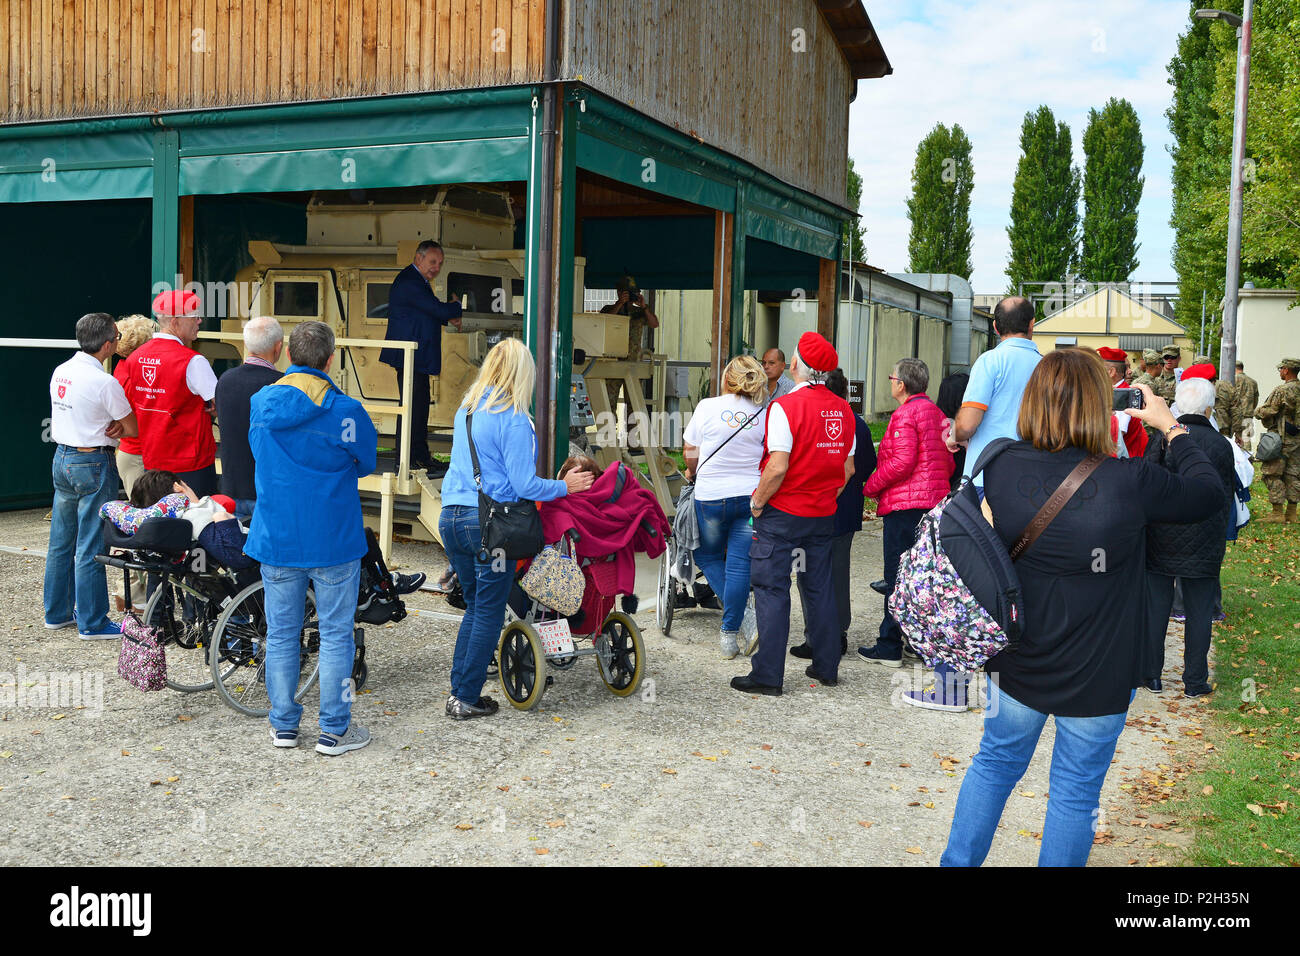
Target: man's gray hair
<point>811,375</point>
<point>427,244</point>
<point>1194,395</point>
<point>311,344</point>
<point>261,334</point>
<point>94,331</point>
<point>914,374</point>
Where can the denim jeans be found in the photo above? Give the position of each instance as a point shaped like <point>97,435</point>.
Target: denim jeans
<point>485,588</point>
<point>244,508</point>
<point>723,554</point>
<point>83,482</point>
<point>335,589</point>
<point>898,534</point>
<point>1080,758</point>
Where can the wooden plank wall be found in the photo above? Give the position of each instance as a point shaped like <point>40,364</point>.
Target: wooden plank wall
<point>71,58</point>
<point>730,66</point>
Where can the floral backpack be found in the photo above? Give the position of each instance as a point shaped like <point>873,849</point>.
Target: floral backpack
<point>957,596</point>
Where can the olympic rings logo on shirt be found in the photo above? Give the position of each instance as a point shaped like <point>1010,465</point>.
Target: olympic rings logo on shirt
<point>738,419</point>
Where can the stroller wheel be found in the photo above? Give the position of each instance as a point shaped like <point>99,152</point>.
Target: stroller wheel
<point>665,592</point>
<point>522,665</point>
<point>620,654</point>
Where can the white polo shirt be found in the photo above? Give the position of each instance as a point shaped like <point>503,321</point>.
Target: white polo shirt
<point>84,401</point>
<point>199,377</point>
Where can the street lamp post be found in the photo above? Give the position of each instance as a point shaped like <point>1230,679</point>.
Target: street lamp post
<point>1228,333</point>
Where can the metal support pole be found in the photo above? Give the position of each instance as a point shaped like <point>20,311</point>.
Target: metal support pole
<point>1228,340</point>
<point>1202,321</point>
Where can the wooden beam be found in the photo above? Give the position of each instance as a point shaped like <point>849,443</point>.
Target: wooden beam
<point>854,37</point>
<point>720,328</point>
<point>185,239</point>
<point>826,304</point>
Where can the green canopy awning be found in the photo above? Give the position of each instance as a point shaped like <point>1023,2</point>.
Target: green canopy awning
<point>62,167</point>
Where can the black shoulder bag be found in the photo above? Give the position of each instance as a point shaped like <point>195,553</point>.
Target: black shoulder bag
<point>512,529</point>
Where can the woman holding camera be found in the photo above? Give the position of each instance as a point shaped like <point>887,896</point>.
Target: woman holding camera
<point>506,444</point>
<point>1083,581</point>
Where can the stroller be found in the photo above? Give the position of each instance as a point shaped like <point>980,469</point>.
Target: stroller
<point>207,607</point>
<point>537,639</point>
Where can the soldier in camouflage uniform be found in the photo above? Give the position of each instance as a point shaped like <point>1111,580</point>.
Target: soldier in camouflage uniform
<point>1166,381</point>
<point>1147,377</point>
<point>1281,414</point>
<point>1247,398</point>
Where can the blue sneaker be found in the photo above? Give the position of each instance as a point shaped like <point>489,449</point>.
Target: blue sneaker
<point>874,655</point>
<point>936,700</point>
<point>110,633</point>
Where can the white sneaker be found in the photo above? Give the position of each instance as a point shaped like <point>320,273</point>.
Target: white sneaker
<point>729,647</point>
<point>59,627</point>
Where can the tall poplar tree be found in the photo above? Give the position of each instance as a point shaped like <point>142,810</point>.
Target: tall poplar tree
<point>1112,188</point>
<point>1044,230</point>
<point>942,179</point>
<point>853,233</point>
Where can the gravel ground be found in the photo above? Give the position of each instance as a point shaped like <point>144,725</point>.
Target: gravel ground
<point>685,772</point>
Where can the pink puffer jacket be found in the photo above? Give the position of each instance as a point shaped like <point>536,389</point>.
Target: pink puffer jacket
<point>914,464</point>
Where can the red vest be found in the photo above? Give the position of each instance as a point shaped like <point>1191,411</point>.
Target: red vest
<point>175,428</point>
<point>129,445</point>
<point>823,428</point>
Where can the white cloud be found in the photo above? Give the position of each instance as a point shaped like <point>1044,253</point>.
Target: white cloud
<point>984,65</point>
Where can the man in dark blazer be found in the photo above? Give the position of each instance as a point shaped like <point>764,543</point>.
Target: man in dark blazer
<point>415,314</point>
<point>263,343</point>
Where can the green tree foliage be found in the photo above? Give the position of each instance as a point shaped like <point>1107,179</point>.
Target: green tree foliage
<point>942,180</point>
<point>1112,188</point>
<point>1203,75</point>
<point>854,234</point>
<point>1044,230</point>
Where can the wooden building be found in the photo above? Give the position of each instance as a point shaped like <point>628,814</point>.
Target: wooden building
<point>704,140</point>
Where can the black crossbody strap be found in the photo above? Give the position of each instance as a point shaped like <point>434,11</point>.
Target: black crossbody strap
<point>701,465</point>
<point>473,452</point>
<point>1052,507</point>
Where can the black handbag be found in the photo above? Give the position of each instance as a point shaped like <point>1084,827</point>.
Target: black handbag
<point>510,529</point>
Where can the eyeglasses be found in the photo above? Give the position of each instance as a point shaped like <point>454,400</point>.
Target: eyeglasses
<point>894,378</point>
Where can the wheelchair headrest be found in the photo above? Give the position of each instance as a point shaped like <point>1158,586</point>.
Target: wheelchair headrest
<point>163,535</point>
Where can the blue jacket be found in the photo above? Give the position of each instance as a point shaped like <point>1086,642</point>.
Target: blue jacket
<point>311,444</point>
<point>415,314</point>
<point>507,455</point>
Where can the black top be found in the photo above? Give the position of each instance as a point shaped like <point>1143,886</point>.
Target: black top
<point>1194,550</point>
<point>235,391</point>
<point>1084,578</point>
<point>848,506</point>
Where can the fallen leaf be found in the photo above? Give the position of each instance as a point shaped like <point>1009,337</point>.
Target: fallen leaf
<point>670,771</point>
<point>125,753</point>
<point>172,779</point>
<point>434,773</point>
<point>905,765</point>
<point>1207,790</point>
<point>464,826</point>
<point>184,717</point>
<point>155,783</point>
<point>912,849</point>
<point>58,716</point>
<point>929,806</point>
<point>756,842</point>
<point>606,786</point>
<point>541,850</point>
<point>765,747</point>
<point>6,754</point>
<point>159,747</point>
<point>1255,808</point>
<point>556,823</point>
<point>1027,793</point>
<point>390,713</point>
<point>504,788</point>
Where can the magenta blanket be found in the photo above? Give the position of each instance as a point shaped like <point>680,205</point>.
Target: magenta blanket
<point>610,523</point>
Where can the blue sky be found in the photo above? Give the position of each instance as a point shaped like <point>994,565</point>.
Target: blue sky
<point>984,64</point>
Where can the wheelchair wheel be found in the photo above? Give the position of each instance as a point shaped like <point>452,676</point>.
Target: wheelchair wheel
<point>522,665</point>
<point>666,590</point>
<point>620,654</point>
<point>184,624</point>
<point>238,658</point>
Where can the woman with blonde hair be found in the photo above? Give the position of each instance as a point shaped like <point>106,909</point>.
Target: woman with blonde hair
<point>494,414</point>
<point>1083,579</point>
<point>723,448</point>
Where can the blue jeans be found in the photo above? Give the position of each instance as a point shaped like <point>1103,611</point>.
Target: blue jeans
<point>244,508</point>
<point>485,588</point>
<point>1080,758</point>
<point>83,482</point>
<point>335,589</point>
<point>723,554</point>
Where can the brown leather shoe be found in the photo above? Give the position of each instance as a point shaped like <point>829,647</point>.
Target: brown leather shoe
<point>1290,513</point>
<point>1277,517</point>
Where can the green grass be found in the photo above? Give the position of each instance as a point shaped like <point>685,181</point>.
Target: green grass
<point>877,430</point>
<point>1250,815</point>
